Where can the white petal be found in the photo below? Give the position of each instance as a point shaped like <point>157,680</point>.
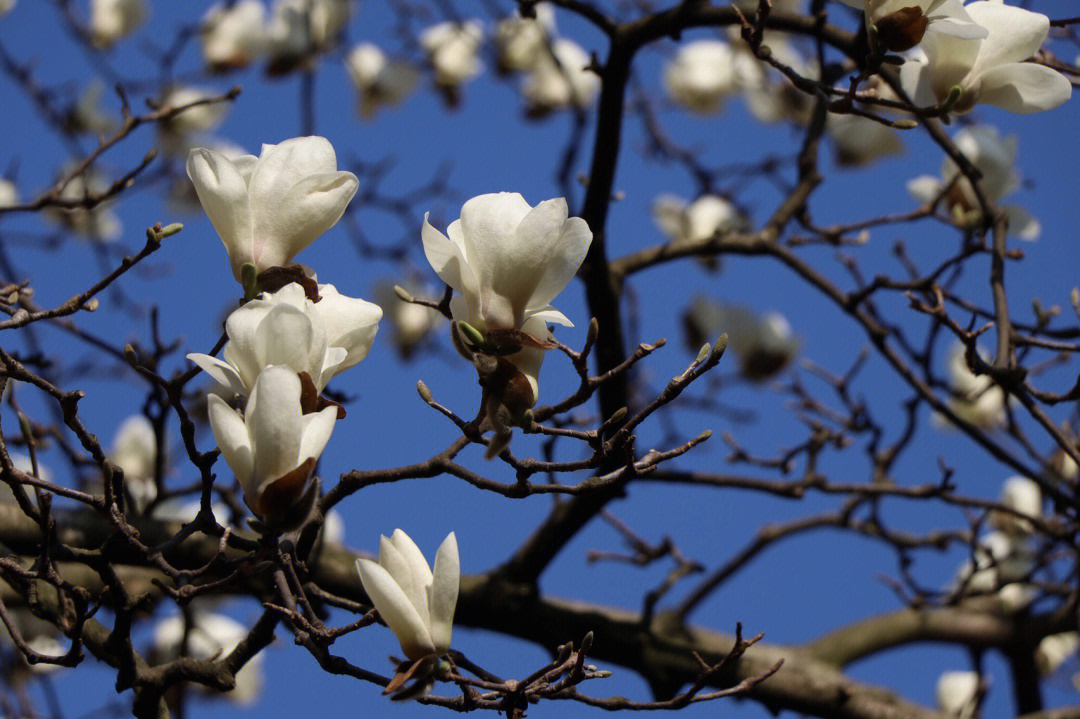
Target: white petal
<point>351,323</point>
<point>221,372</point>
<point>444,593</point>
<point>223,194</point>
<point>560,255</point>
<point>275,425</point>
<point>1015,34</point>
<point>231,436</point>
<point>395,609</point>
<point>316,433</point>
<point>286,337</point>
<point>550,314</point>
<point>924,188</point>
<point>448,260</point>
<point>401,569</point>
<point>309,208</point>
<point>1022,224</point>
<point>1024,88</point>
<point>488,223</point>
<point>281,167</point>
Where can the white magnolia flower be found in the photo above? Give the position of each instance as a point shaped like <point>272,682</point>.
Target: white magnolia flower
<point>269,208</point>
<point>87,114</point>
<point>701,76</point>
<point>975,398</point>
<point>521,41</point>
<point>9,193</point>
<point>379,80</point>
<point>233,36</point>
<point>416,603</point>
<point>411,323</point>
<point>182,196</point>
<point>508,259</point>
<point>1054,650</point>
<point>1024,496</point>
<point>135,451</point>
<point>991,70</point>
<point>273,448</point>
<point>294,33</point>
<point>901,24</point>
<point>707,216</point>
<point>285,328</point>
<point>98,223</point>
<point>333,529</point>
<point>198,118</point>
<point>452,51</point>
<point>995,158</point>
<point>560,79</point>
<point>858,141</point>
<point>957,694</point>
<point>210,636</point>
<point>113,20</point>
<point>770,97</point>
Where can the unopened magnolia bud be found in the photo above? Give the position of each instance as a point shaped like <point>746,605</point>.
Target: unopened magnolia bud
<point>617,416</point>
<point>171,229</point>
<point>130,355</point>
<point>21,315</point>
<point>593,331</point>
<point>905,124</point>
<point>586,643</point>
<point>92,305</point>
<point>703,353</point>
<point>720,346</point>
<point>249,280</point>
<point>402,294</point>
<point>424,392</point>
<point>472,335</point>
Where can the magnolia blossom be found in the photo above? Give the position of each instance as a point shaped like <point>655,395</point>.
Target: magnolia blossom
<point>135,452</point>
<point>411,323</point>
<point>379,80</point>
<point>990,70</point>
<point>859,141</point>
<point>112,20</point>
<point>975,398</point>
<point>273,448</point>
<point>701,76</point>
<point>770,97</point>
<point>764,344</point>
<point>40,635</point>
<point>233,35</point>
<point>706,217</point>
<point>1054,650</point>
<point>416,603</point>
<point>87,115</point>
<point>452,49</point>
<point>1000,559</point>
<point>269,208</point>
<point>298,28</point>
<point>522,41</point>
<point>994,157</point>
<point>99,223</point>
<point>1021,495</point>
<point>286,328</point>
<point>197,118</point>
<point>9,193</point>
<point>560,79</point>
<point>957,694</point>
<point>901,24</point>
<point>209,636</point>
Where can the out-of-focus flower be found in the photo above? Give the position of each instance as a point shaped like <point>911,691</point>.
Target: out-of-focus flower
<point>379,80</point>
<point>135,451</point>
<point>764,344</point>
<point>269,208</point>
<point>957,694</point>
<point>333,529</point>
<point>6,6</point>
<point>1021,495</point>
<point>858,141</point>
<point>299,28</point>
<point>901,24</point>
<point>286,328</point>
<point>560,79</point>
<point>995,158</point>
<point>39,634</point>
<point>87,115</point>
<point>98,223</point>
<point>273,448</point>
<point>416,603</point>
<point>521,41</point>
<point>1054,650</point>
<point>209,636</point>
<point>770,97</point>
<point>701,76</point>
<point>113,20</point>
<point>975,398</point>
<point>175,131</point>
<point>410,323</point>
<point>1000,559</point>
<point>233,36</point>
<point>990,70</point>
<point>707,216</point>
<point>9,193</point>
<point>452,51</point>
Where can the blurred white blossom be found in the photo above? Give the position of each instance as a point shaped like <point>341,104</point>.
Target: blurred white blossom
<point>452,50</point>
<point>560,79</point>
<point>701,76</point>
<point>134,451</point>
<point>209,636</point>
<point>859,141</point>
<point>113,20</point>
<point>974,398</point>
<point>379,80</point>
<point>707,216</point>
<point>233,35</point>
<point>957,694</point>
<point>521,41</point>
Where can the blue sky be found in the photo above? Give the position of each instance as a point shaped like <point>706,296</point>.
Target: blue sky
<point>793,593</point>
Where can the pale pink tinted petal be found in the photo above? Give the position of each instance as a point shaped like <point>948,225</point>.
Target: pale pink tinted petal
<point>395,609</point>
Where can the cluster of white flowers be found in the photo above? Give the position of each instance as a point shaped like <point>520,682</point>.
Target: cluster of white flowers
<point>554,68</point>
